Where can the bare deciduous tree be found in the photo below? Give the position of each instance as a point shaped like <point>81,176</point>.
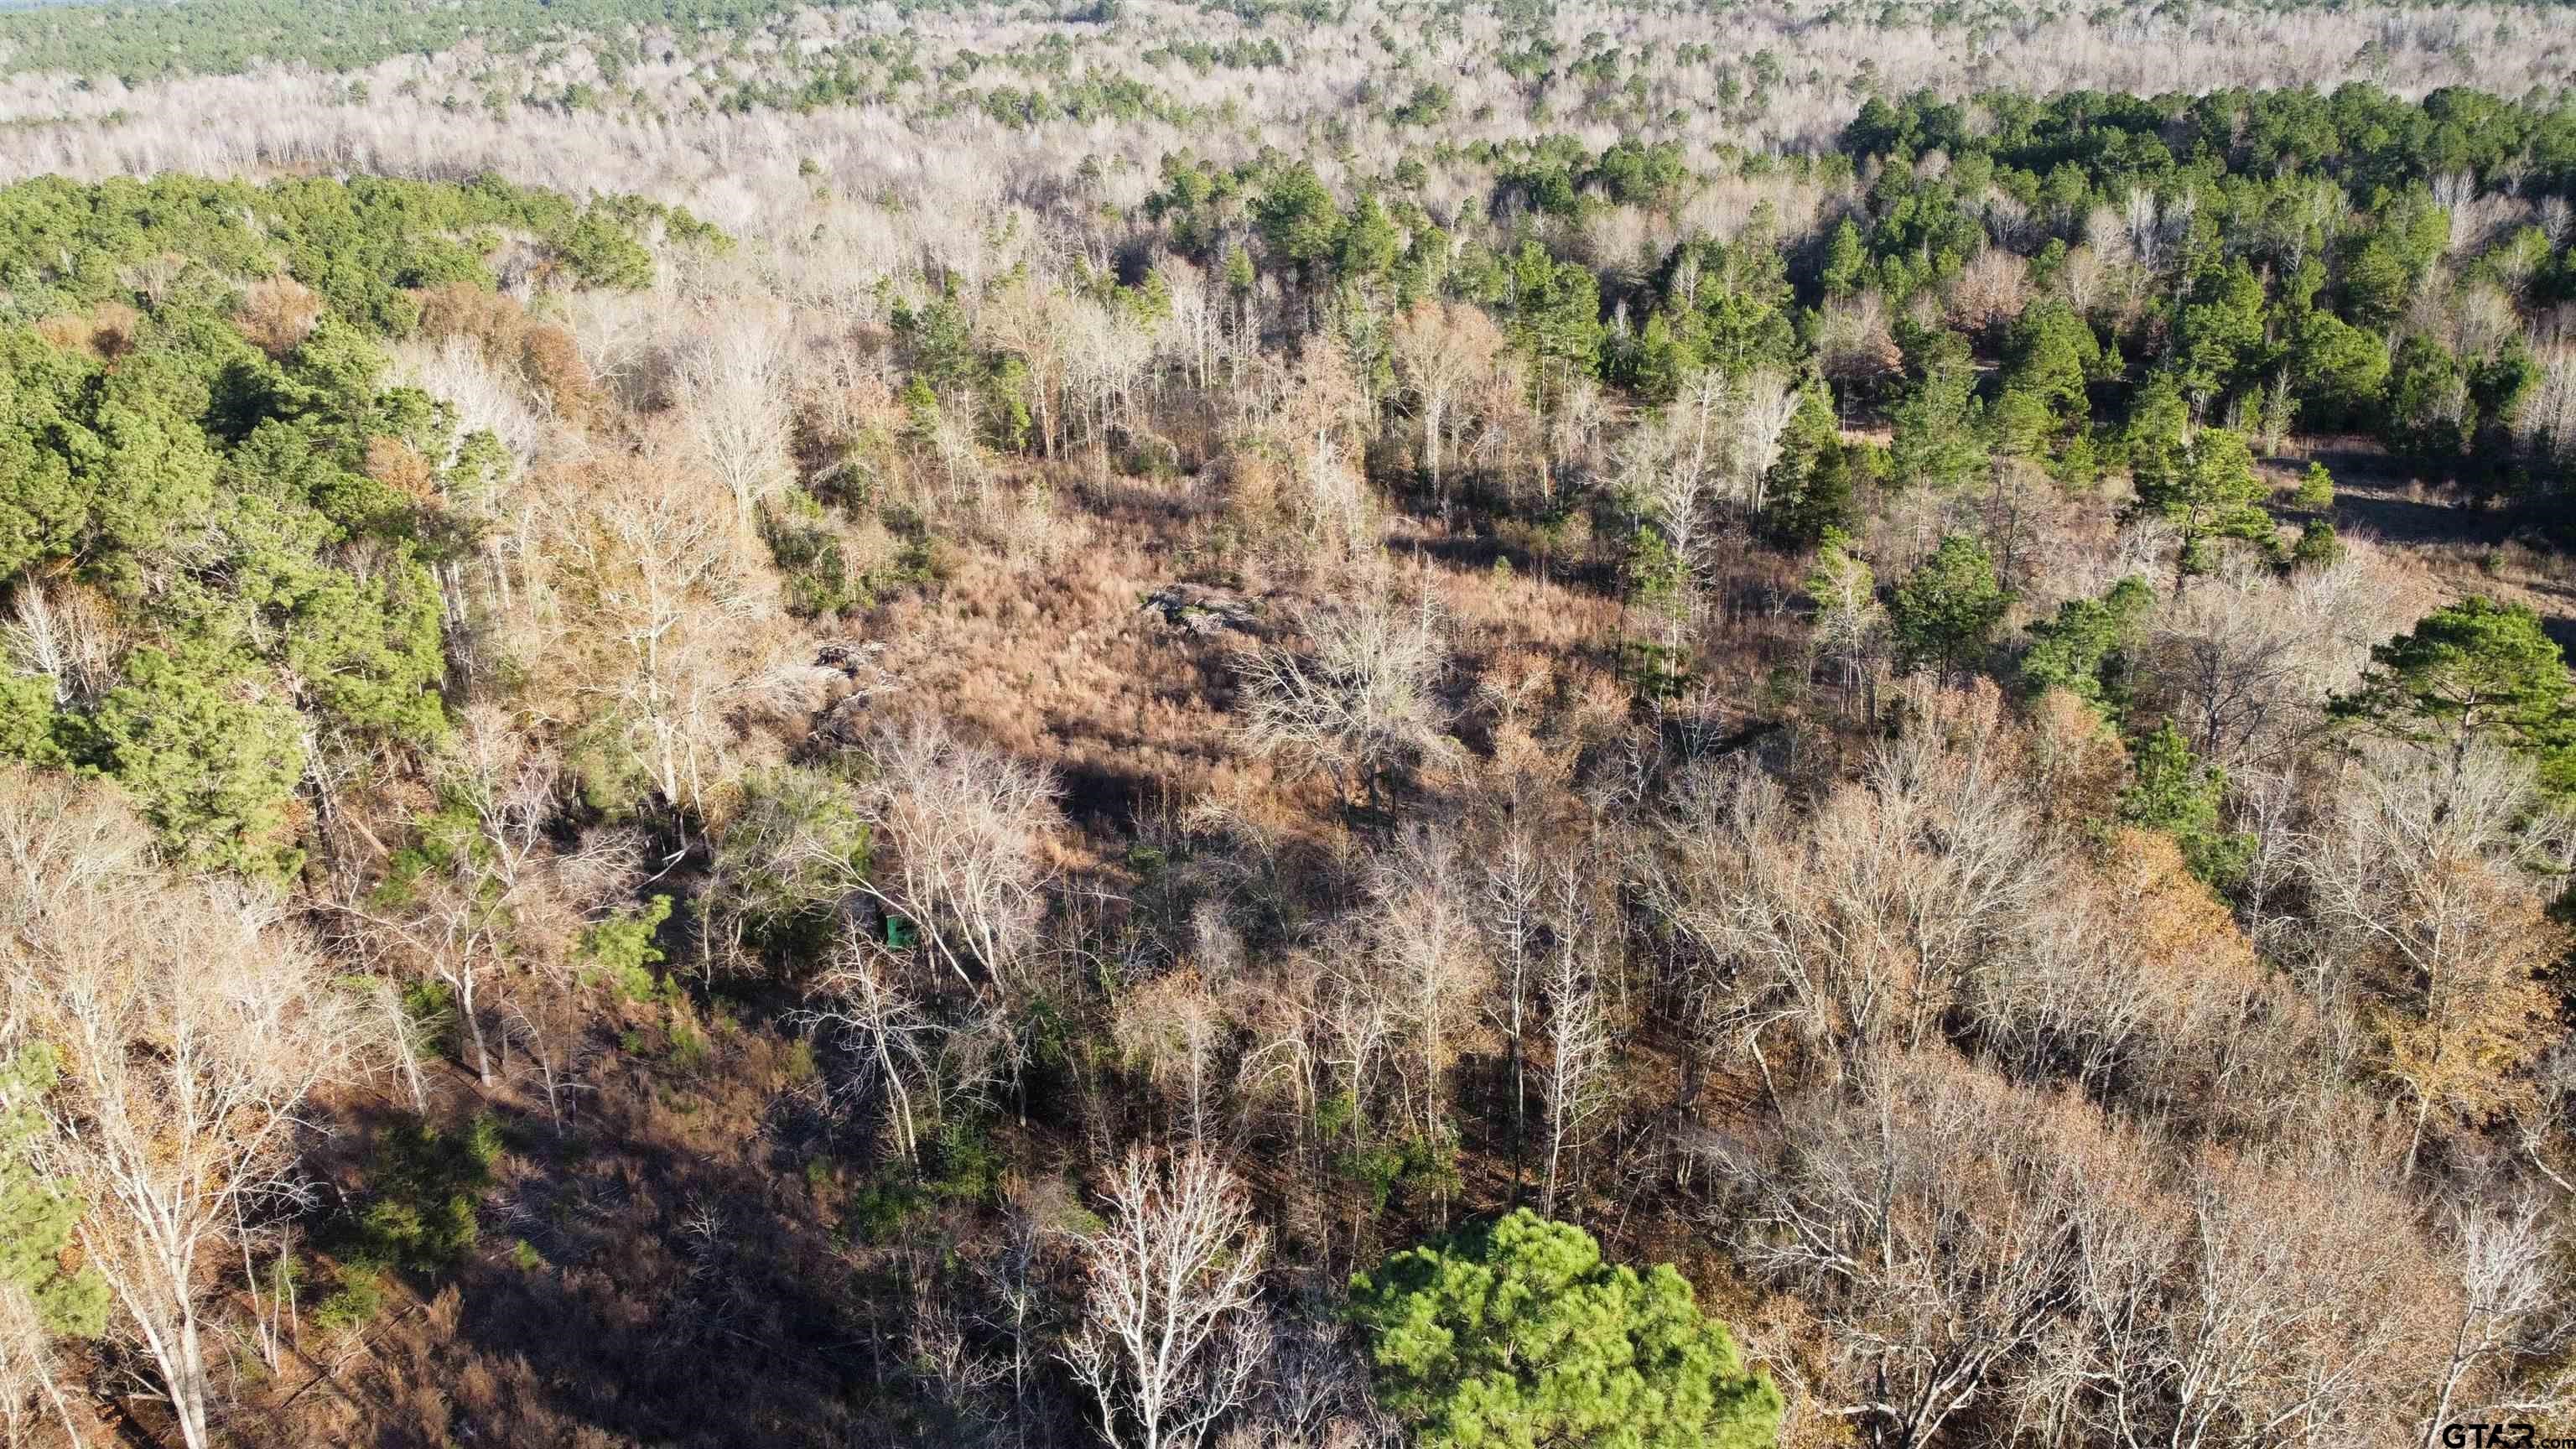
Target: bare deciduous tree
<point>454,916</point>
<point>1575,1084</point>
<point>1927,1216</point>
<point>1194,336</point>
<point>1105,358</point>
<point>1674,467</point>
<point>864,995</point>
<point>1861,923</point>
<point>1426,936</point>
<point>1762,404</point>
<point>2424,879</point>
<point>191,1028</point>
<point>648,618</point>
<point>1028,320</point>
<point>964,832</point>
<point>1849,617</point>
<point>2279,1290</point>
<point>2510,1314</point>
<point>1172,1027</point>
<point>1172,1334</point>
<point>57,630</point>
<point>548,1025</point>
<point>1321,412</point>
<point>1441,349</point>
<point>1514,891</point>
<point>1361,705</point>
<point>29,1369</point>
<point>732,383</point>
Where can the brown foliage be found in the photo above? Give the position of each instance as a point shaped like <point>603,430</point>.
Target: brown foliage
<point>2077,764</point>
<point>552,364</point>
<point>277,315</point>
<point>1989,293</point>
<point>106,332</point>
<point>461,309</point>
<point>542,354</point>
<point>394,463</point>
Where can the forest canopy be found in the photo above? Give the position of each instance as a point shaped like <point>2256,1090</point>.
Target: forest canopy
<point>136,42</point>
<point>215,470</point>
<point>1287,724</point>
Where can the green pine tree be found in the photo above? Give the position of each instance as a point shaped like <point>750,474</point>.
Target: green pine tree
<point>2174,792</point>
<point>2474,669</point>
<point>2084,650</point>
<point>2201,481</point>
<point>1517,1335</point>
<point>2316,490</point>
<point>1845,260</point>
<point>38,1214</point>
<point>1946,610</point>
<point>1369,242</point>
<point>1939,430</point>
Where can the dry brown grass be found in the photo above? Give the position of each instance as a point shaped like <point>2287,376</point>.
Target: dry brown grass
<point>1055,664</point>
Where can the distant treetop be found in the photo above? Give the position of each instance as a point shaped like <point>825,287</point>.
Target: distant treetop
<point>224,37</point>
